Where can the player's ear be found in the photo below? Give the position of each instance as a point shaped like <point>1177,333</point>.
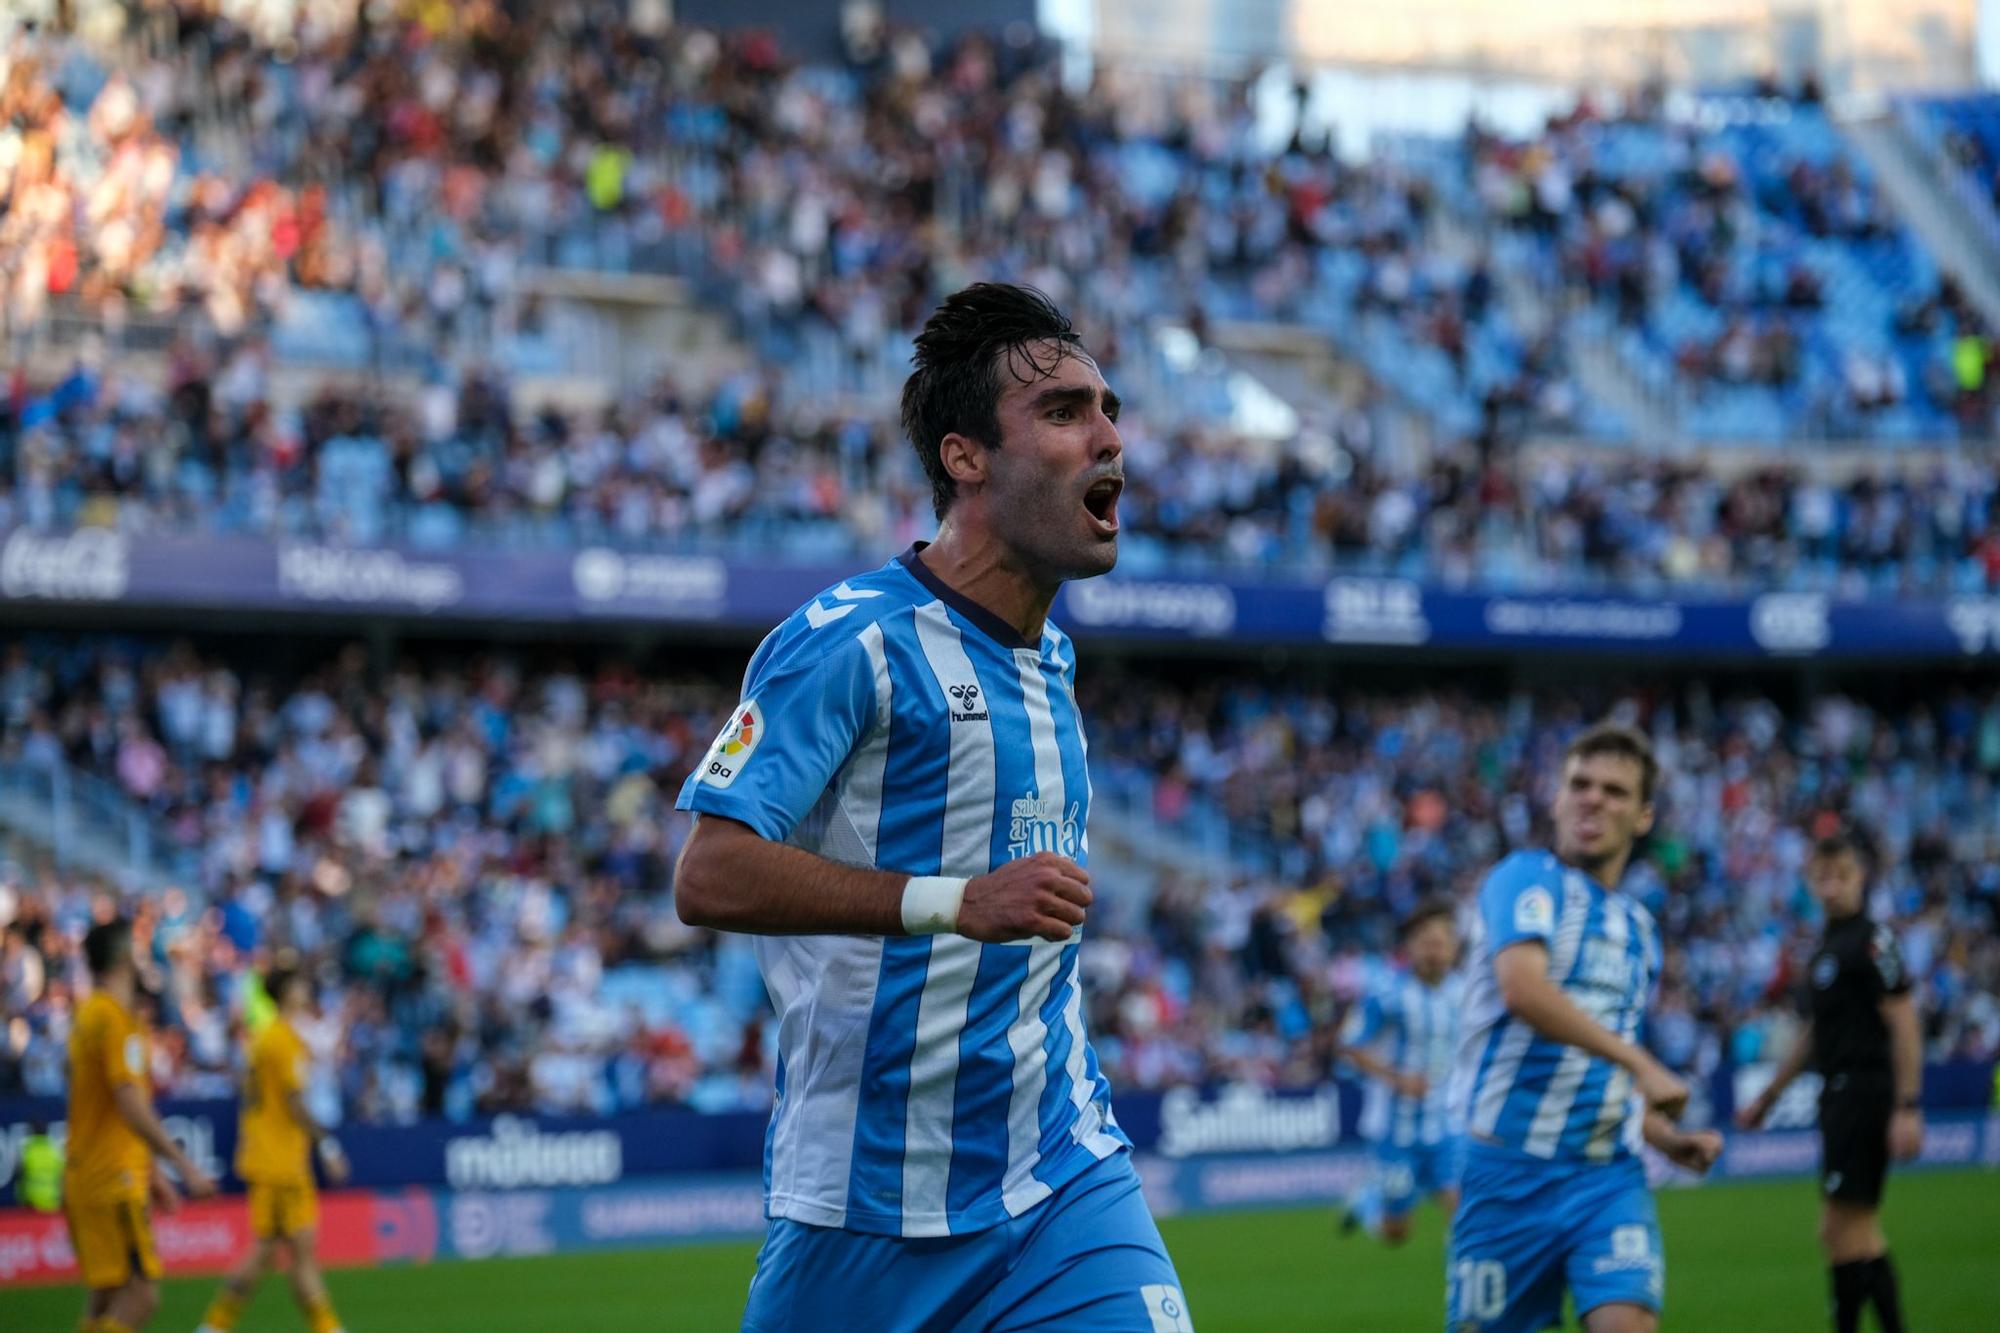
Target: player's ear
<point>1645,824</point>
<point>964,459</point>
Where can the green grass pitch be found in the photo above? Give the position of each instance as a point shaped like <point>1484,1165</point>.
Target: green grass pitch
<point>1739,1257</point>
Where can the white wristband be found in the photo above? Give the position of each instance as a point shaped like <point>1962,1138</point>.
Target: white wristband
<point>930,904</point>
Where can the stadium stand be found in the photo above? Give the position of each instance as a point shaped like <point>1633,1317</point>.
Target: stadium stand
<point>479,848</point>
<point>480,851</point>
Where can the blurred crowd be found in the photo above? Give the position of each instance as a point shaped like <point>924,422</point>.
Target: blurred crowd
<point>474,858</point>
<point>415,159</point>
<point>1355,804</point>
<point>1747,263</point>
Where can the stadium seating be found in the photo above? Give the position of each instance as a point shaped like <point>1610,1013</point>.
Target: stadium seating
<point>1741,257</point>
<point>483,849</point>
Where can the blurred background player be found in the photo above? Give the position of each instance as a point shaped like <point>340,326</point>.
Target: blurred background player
<point>40,1183</point>
<point>1861,1036</point>
<point>1553,1194</point>
<point>1404,1037</point>
<point>113,1179</point>
<point>273,1155</point>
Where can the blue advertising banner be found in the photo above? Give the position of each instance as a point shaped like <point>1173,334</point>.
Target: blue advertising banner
<point>557,1152</point>
<point>91,566</point>
<point>480,1224</point>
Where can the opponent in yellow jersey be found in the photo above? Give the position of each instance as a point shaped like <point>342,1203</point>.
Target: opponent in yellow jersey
<point>275,1137</point>
<point>110,1182</point>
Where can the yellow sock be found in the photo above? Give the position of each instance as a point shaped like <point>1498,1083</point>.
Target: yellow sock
<point>224,1310</point>
<point>320,1318</point>
<point>110,1325</point>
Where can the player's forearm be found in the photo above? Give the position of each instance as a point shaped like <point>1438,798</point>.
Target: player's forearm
<point>1541,1004</point>
<point>1369,1063</point>
<point>304,1118</point>
<point>1661,1132</point>
<point>1906,1047</point>
<point>138,1114</point>
<point>730,878</point>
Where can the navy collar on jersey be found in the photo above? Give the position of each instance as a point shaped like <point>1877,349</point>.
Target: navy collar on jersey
<point>989,624</point>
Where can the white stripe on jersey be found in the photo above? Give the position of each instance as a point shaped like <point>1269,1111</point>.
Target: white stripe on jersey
<point>861,790</point>
<point>927,1125</point>
<point>1416,1033</point>
<point>826,1106</point>
<point>954,960</point>
<point>1559,1098</point>
<point>1571,913</point>
<point>1620,1108</point>
<point>1619,926</point>
<point>969,781</point>
<point>1019,1188</point>
<point>828,1041</point>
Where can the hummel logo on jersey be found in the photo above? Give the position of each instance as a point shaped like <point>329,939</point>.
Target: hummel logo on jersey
<point>967,696</point>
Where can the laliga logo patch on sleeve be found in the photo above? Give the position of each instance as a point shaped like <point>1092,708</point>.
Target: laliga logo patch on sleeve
<point>732,749</point>
<point>1535,912</point>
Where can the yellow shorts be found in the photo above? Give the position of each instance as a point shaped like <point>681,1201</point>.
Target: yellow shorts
<point>282,1210</point>
<point>113,1242</point>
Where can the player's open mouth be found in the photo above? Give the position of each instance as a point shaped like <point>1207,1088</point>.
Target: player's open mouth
<point>1101,503</point>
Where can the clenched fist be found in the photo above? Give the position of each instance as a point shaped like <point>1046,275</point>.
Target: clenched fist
<point>1043,896</point>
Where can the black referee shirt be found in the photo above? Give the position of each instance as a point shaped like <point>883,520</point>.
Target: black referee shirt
<point>1858,964</point>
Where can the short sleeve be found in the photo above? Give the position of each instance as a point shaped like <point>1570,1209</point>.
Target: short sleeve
<point>122,1048</point>
<point>285,1062</point>
<point>1885,956</point>
<point>1364,1022</point>
<point>783,744</point>
<point>1516,905</point>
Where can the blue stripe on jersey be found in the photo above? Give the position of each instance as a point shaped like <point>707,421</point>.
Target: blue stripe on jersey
<point>1056,1046</point>
<point>875,1188</point>
<point>985,1085</point>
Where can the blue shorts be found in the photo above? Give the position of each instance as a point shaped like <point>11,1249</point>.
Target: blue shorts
<point>1087,1258</point>
<point>1528,1229</point>
<point>1406,1175</point>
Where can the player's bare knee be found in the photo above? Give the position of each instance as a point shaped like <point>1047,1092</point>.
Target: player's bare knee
<point>1395,1231</point>
<point>1621,1318</point>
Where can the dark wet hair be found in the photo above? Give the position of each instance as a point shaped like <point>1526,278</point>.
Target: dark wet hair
<point>956,387</point>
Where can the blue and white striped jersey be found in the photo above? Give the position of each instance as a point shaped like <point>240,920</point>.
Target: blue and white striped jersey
<point>927,1086</point>
<point>1519,1089</point>
<point>1414,1027</point>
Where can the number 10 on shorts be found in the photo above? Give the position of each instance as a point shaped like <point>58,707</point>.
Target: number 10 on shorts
<point>1479,1289</point>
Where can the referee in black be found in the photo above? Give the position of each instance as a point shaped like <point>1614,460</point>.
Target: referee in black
<point>1861,1035</point>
